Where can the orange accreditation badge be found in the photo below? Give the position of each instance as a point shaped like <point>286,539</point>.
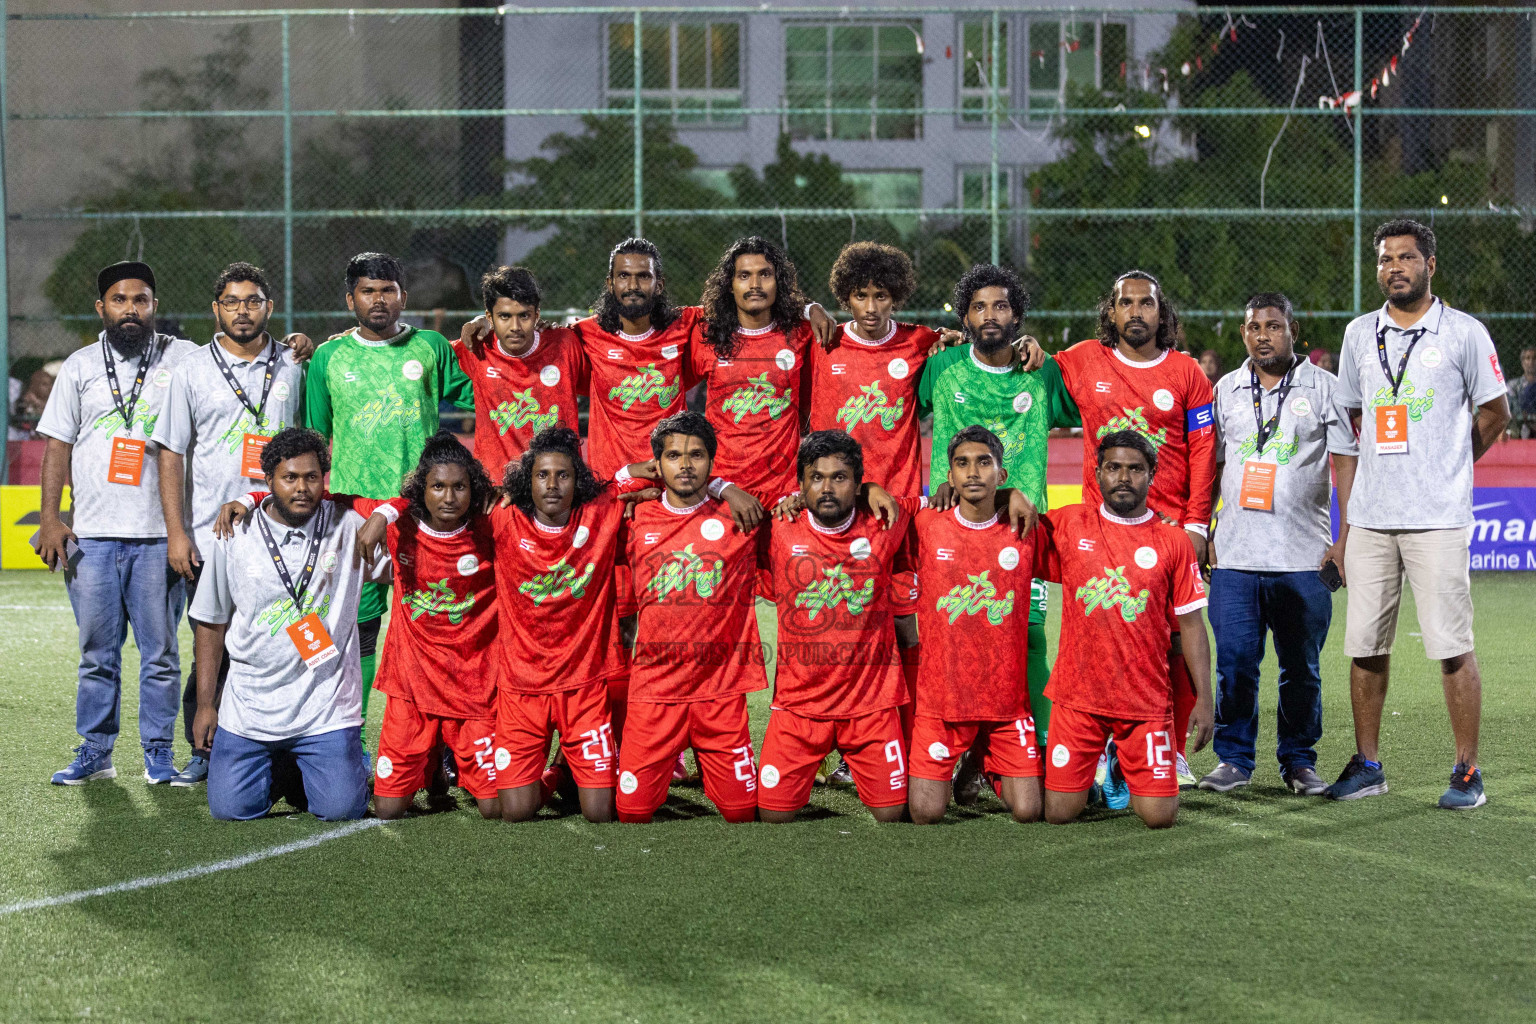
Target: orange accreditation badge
<point>1258,491</point>
<point>127,463</point>
<point>251,446</point>
<point>312,640</point>
<point>1391,430</point>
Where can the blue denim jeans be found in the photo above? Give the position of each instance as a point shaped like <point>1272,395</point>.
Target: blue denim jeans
<point>1297,609</point>
<point>118,583</point>
<point>332,765</point>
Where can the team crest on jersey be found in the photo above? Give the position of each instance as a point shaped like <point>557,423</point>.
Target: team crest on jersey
<point>1135,419</point>
<point>1112,590</point>
<point>282,614</point>
<point>869,405</point>
<point>835,588</point>
<point>561,578</point>
<point>438,599</point>
<point>757,395</point>
<point>386,408</point>
<point>976,597</point>
<point>523,411</point>
<point>1407,395</point>
<point>684,568</point>
<point>644,384</point>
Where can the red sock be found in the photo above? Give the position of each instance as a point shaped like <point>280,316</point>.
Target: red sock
<point>910,658</point>
<point>548,783</point>
<point>1183,698</point>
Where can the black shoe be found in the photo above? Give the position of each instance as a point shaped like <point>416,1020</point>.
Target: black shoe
<point>842,775</point>
<point>449,766</point>
<point>1358,780</point>
<point>1466,790</point>
<point>1303,780</point>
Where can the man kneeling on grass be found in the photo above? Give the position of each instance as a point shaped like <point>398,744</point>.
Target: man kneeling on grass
<point>281,596</point>
<point>1125,577</point>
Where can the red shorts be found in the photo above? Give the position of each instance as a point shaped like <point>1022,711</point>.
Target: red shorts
<point>1078,738</point>
<point>656,733</point>
<point>795,746</point>
<point>904,593</point>
<point>406,741</point>
<point>1012,749</point>
<point>525,723</point>
<point>625,604</point>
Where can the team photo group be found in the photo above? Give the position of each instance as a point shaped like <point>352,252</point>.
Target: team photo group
<point>557,614</point>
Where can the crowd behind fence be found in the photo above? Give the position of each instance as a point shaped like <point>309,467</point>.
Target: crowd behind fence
<point>1226,150</point>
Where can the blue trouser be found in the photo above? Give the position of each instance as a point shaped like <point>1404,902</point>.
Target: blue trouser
<point>118,583</point>
<point>334,772</point>
<point>1297,609</point>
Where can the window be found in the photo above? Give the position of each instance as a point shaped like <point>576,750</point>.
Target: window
<point>867,67</point>
<point>1063,53</point>
<point>975,188</point>
<point>976,69</point>
<point>888,190</point>
<point>690,71</point>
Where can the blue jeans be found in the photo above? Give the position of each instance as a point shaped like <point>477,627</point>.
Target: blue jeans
<point>332,765</point>
<point>118,583</point>
<point>1297,609</point>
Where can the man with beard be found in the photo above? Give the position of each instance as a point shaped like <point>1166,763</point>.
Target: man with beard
<point>984,383</point>
<point>752,348</point>
<point>1427,380</point>
<point>1130,378</point>
<point>1124,575</point>
<point>226,402</point>
<point>839,683</point>
<point>374,392</point>
<point>1276,427</point>
<point>281,596</point>
<point>98,421</point>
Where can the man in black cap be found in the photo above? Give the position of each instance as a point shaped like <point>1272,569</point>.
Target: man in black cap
<point>98,421</point>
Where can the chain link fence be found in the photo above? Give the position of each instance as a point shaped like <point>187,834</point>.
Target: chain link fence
<point>1226,151</point>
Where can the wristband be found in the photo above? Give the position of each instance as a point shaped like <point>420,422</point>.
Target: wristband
<point>389,512</point>
<point>716,487</point>
<point>623,476</point>
<point>1199,528</point>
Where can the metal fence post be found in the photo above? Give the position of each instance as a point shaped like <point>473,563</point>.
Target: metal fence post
<point>1359,130</point>
<point>287,182</point>
<point>639,144</point>
<point>997,20</point>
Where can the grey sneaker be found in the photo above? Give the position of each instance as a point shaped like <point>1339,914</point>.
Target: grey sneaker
<point>194,773</point>
<point>1224,778</point>
<point>1466,790</point>
<point>968,780</point>
<point>1303,780</point>
<point>1357,781</point>
<point>1186,777</point>
<point>842,775</point>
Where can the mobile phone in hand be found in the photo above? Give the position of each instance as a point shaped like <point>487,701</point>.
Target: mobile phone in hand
<point>1330,575</point>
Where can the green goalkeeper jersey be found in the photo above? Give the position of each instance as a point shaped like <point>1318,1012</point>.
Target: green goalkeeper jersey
<point>1020,408</point>
<point>377,402</point>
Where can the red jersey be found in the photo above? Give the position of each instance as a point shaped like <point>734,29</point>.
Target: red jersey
<point>973,617</point>
<point>637,381</point>
<point>695,581</point>
<point>518,396</point>
<point>1122,582</point>
<point>754,402</point>
<point>556,598</point>
<point>869,389</point>
<point>1167,401</point>
<point>837,641</point>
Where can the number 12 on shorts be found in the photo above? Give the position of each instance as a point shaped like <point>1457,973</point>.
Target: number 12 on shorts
<point>1160,755</point>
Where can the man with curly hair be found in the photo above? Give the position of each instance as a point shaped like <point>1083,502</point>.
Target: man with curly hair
<point>1131,378</point>
<point>984,383</point>
<point>281,595</point>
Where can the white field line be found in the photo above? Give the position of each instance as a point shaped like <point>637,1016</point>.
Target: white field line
<point>197,871</point>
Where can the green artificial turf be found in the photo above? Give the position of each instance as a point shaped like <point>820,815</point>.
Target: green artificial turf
<point>1256,907</point>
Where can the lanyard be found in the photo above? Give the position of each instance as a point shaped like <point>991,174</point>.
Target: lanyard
<point>234,385</point>
<point>138,382</point>
<point>1402,366</point>
<point>1267,430</point>
<point>310,556</point>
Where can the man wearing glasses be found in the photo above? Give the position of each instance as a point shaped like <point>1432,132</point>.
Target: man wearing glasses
<point>225,402</point>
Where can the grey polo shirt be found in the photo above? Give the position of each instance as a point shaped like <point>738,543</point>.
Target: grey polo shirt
<point>81,412</point>
<point>271,694</point>
<point>204,421</point>
<point>1293,536</point>
<point>1453,370</point>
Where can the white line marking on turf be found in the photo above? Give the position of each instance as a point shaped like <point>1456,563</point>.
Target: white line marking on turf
<point>196,871</point>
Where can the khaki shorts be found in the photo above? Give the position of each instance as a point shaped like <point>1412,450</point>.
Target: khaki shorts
<point>1436,563</point>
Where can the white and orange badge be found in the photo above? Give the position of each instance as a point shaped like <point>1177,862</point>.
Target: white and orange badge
<point>1391,430</point>
<point>312,640</point>
<point>1258,490</point>
<point>126,466</point>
